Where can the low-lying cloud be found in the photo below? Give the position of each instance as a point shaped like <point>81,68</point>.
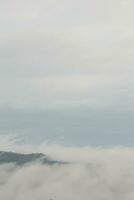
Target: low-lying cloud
<point>91,173</point>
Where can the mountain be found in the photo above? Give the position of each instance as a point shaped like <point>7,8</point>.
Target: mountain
<point>21,159</point>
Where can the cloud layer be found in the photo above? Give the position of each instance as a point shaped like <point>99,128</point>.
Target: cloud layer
<point>94,174</point>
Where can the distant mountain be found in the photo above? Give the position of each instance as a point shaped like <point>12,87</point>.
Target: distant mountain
<point>21,159</point>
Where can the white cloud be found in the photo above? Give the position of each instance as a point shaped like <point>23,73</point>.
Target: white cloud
<point>92,173</point>
<point>96,173</point>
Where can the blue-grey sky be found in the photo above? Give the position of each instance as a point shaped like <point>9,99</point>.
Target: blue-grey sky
<point>66,71</point>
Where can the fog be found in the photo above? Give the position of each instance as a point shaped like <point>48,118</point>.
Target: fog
<point>91,173</point>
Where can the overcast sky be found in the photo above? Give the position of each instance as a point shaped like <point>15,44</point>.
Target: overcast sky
<point>66,70</point>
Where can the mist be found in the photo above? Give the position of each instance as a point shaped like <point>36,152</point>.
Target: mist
<point>90,173</point>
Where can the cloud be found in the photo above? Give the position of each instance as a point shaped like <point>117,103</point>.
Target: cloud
<point>97,173</point>
<point>92,173</point>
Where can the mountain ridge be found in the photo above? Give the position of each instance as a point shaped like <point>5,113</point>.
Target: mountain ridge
<point>22,159</point>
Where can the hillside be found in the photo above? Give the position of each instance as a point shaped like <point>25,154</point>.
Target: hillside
<point>21,159</point>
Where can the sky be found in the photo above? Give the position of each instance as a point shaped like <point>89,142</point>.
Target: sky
<point>66,71</point>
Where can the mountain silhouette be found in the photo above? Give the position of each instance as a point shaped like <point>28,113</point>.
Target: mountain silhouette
<point>21,159</point>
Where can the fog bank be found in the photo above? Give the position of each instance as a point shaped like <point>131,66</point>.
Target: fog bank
<point>96,174</point>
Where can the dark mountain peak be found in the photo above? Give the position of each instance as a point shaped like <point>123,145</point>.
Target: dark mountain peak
<point>21,159</point>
